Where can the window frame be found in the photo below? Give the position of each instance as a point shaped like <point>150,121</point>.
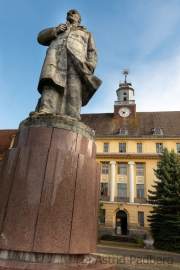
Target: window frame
<point>122,147</point>
<point>104,190</point>
<point>102,218</point>
<point>122,189</point>
<point>122,170</point>
<point>157,131</point>
<point>139,147</point>
<point>105,170</point>
<point>178,147</point>
<point>106,148</point>
<point>158,148</point>
<point>139,191</point>
<point>141,218</point>
<point>140,170</point>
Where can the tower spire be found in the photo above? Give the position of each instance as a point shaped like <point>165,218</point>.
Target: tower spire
<point>125,72</point>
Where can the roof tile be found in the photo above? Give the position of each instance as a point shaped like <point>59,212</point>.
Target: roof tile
<point>104,124</point>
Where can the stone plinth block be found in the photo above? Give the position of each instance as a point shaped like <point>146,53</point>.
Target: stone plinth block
<point>49,188</point>
<point>14,265</point>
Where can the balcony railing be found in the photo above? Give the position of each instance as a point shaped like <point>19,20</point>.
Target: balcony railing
<point>129,82</point>
<point>121,199</point>
<point>125,102</point>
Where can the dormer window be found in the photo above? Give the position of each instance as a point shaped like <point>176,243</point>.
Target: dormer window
<point>157,131</point>
<point>123,131</point>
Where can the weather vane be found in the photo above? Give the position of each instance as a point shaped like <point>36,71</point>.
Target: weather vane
<point>125,72</point>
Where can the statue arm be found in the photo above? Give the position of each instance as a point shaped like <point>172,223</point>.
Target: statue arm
<point>92,55</point>
<point>46,36</point>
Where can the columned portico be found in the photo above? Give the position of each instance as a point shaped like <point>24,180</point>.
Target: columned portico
<point>131,181</point>
<point>112,180</point>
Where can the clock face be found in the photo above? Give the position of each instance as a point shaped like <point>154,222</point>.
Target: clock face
<point>124,112</point>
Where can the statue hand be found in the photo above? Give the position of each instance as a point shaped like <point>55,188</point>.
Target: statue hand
<point>61,28</point>
<point>90,67</point>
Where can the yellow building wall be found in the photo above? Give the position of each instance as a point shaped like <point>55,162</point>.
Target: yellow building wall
<point>150,163</point>
<point>149,176</point>
<point>148,144</point>
<point>131,211</point>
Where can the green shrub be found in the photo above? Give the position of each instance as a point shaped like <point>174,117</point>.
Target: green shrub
<point>140,242</point>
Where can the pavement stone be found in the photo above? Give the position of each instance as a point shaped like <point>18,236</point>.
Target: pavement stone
<point>129,256</point>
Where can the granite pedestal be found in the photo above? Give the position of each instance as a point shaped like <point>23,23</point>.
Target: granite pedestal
<point>49,193</point>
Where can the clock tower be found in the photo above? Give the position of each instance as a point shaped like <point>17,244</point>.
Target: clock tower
<point>125,106</point>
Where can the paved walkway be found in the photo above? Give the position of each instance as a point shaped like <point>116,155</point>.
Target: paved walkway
<point>130,256</point>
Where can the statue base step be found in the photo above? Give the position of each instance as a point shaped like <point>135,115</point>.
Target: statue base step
<point>14,265</point>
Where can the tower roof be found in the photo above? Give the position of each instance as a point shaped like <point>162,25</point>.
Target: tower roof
<point>125,86</point>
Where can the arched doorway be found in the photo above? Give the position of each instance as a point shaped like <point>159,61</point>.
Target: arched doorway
<point>121,222</point>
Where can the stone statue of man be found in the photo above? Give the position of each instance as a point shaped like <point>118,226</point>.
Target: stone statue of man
<point>66,81</point>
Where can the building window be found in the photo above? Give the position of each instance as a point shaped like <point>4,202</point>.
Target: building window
<point>139,169</point>
<point>159,147</point>
<point>139,147</point>
<point>104,189</point>
<point>122,168</point>
<point>122,147</point>
<point>102,216</point>
<point>122,190</point>
<point>140,190</point>
<point>178,147</point>
<point>105,168</point>
<point>157,131</point>
<point>141,219</point>
<point>123,131</point>
<point>106,147</point>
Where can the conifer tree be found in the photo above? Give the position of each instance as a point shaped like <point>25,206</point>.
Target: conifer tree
<point>165,198</point>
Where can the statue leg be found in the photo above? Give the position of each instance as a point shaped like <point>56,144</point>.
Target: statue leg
<point>74,96</point>
<point>49,101</point>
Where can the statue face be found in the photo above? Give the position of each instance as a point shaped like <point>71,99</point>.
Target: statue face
<point>73,16</point>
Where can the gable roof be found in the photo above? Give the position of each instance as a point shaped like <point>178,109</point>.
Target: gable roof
<point>105,125</point>
<point>5,140</point>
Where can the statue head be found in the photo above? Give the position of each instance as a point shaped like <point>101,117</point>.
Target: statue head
<point>73,16</point>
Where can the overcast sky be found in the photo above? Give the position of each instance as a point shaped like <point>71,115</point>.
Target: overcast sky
<point>140,35</point>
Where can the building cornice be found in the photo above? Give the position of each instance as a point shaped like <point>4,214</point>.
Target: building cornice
<point>127,155</point>
<point>126,137</point>
<point>135,204</point>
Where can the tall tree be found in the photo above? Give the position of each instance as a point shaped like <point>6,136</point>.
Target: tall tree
<point>165,198</point>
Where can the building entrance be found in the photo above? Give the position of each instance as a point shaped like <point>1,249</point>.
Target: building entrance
<point>121,222</point>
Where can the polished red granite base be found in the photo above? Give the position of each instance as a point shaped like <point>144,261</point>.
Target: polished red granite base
<point>49,192</point>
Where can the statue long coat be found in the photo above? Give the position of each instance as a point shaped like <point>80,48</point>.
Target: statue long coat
<point>76,43</point>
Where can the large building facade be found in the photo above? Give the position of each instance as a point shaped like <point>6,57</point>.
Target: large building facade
<point>128,147</point>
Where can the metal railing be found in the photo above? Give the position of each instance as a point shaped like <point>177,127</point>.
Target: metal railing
<point>125,82</point>
<point>126,102</point>
<point>122,199</point>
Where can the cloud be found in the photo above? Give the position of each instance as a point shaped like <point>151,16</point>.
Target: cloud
<point>157,84</point>
<point>159,20</point>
